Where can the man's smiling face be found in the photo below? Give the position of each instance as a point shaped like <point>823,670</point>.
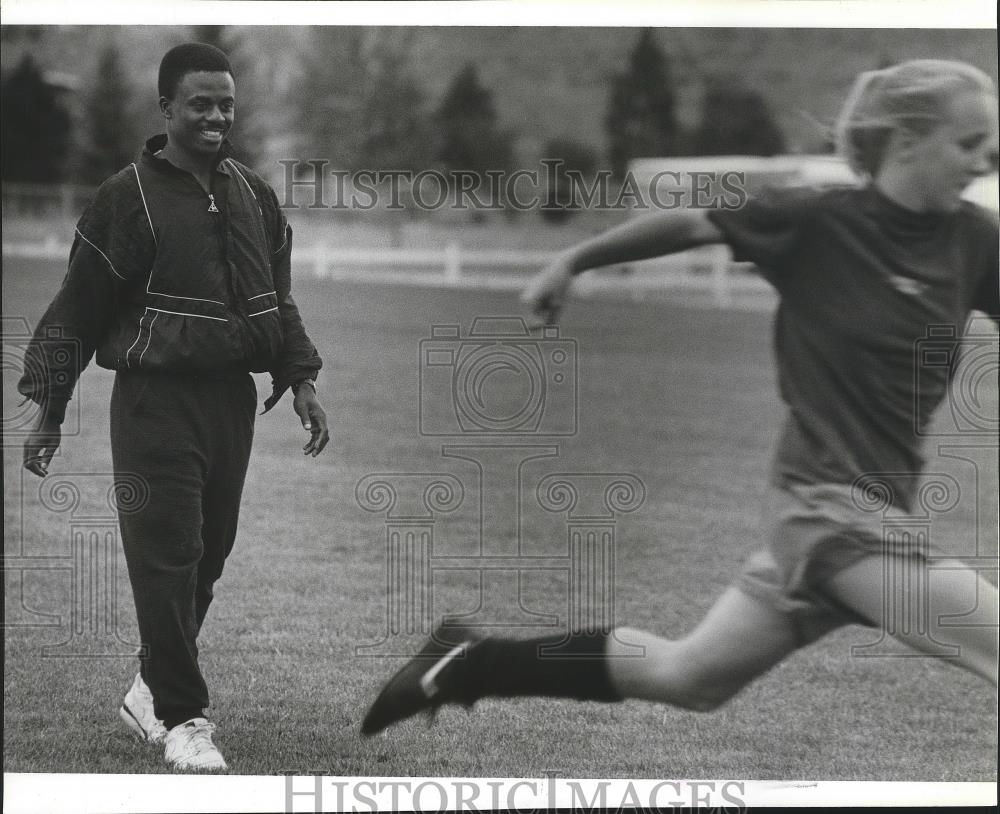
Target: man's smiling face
<point>201,113</point>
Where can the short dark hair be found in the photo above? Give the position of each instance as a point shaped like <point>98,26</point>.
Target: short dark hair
<point>190,57</point>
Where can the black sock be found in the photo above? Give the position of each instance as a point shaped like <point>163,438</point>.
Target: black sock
<point>561,666</point>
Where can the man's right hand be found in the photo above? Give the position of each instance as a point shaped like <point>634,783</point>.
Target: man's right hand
<point>41,445</point>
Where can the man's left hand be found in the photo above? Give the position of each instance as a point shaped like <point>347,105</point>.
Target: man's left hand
<point>308,408</point>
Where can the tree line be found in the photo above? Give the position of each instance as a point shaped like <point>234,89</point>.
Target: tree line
<point>357,102</point>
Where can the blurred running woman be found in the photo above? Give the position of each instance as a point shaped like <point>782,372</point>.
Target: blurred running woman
<point>861,273</point>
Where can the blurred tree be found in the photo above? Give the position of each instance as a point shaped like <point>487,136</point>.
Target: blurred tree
<point>394,123</point>
<point>468,136</point>
<point>466,122</point>
<point>111,140</point>
<point>736,121</point>
<point>330,97</point>
<point>10,35</point>
<point>572,157</point>
<point>361,107</point>
<point>36,127</point>
<point>210,35</point>
<point>250,123</point>
<point>640,119</point>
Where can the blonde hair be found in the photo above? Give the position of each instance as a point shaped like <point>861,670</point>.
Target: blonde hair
<point>912,95</point>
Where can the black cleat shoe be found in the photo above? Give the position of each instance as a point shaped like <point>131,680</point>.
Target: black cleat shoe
<point>428,680</point>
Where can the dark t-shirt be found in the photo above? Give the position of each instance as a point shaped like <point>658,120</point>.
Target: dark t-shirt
<point>863,283</point>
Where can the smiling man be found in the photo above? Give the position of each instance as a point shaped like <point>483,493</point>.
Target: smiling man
<point>179,280</point>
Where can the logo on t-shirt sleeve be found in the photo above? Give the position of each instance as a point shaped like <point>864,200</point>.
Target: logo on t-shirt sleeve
<point>907,285</point>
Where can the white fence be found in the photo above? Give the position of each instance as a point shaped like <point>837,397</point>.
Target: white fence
<point>706,275</point>
<point>45,200</point>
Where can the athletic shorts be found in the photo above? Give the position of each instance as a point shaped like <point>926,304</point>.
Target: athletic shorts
<point>814,531</point>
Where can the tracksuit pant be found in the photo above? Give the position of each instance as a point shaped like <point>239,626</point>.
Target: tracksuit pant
<point>188,438</point>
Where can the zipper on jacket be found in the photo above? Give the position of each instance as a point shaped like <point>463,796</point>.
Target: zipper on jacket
<point>238,312</point>
<point>222,233</point>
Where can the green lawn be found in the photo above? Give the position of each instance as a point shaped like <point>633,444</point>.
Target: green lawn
<point>682,399</point>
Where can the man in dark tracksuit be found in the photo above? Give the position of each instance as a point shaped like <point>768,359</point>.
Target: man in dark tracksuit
<point>179,280</point>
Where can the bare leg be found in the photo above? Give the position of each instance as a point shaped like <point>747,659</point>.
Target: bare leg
<point>953,589</point>
<point>738,640</point>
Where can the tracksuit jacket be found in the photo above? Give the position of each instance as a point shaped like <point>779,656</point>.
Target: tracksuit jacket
<point>164,277</point>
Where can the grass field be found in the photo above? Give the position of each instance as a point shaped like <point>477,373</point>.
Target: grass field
<point>683,399</point>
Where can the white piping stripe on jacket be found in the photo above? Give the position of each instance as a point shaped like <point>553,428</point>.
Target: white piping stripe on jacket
<point>127,362</point>
<point>182,314</point>
<point>138,180</point>
<point>149,282</point>
<point>112,265</point>
<point>149,340</point>
<point>177,297</point>
<point>268,294</point>
<point>268,311</point>
<point>232,164</point>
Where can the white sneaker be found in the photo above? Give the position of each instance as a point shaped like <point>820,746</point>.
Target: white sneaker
<point>189,746</point>
<point>137,713</point>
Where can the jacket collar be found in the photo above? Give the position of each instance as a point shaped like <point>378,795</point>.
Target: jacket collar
<point>158,142</point>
